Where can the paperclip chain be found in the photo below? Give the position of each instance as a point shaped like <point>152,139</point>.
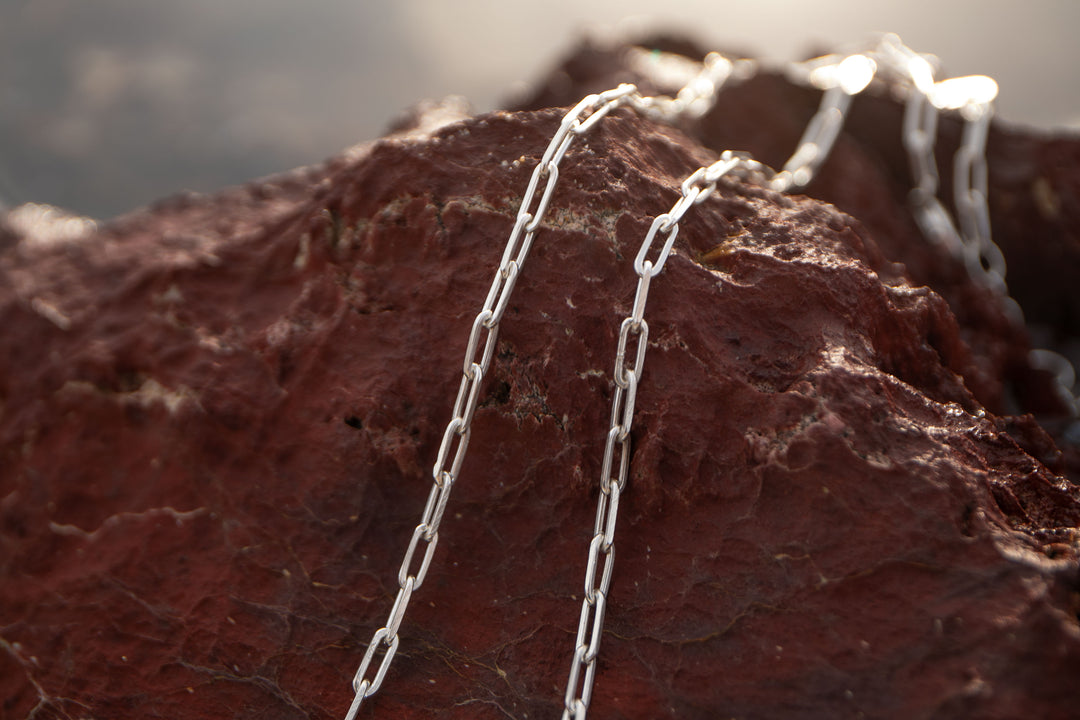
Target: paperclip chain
<point>973,96</point>
<point>698,96</point>
<point>841,78</point>
<point>479,352</point>
<point>919,138</point>
<point>972,243</point>
<point>627,376</point>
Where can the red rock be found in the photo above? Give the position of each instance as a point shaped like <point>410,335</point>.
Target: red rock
<point>219,418</point>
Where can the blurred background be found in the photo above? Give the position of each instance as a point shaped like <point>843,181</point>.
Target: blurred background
<point>107,105</point>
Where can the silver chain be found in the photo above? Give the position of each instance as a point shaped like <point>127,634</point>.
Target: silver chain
<point>844,76</point>
<point>840,77</point>
<point>478,354</point>
<point>972,243</point>
<point>698,96</point>
<point>973,96</point>
<point>695,99</point>
<point>627,375</point>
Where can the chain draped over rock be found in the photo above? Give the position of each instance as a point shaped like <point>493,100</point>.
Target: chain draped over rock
<point>840,77</point>
<point>477,361</point>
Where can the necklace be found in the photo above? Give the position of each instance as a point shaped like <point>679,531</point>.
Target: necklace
<point>965,234</point>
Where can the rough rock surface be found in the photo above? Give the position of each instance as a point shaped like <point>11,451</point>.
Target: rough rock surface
<point>219,415</point>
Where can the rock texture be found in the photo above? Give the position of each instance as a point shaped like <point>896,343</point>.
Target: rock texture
<point>219,415</point>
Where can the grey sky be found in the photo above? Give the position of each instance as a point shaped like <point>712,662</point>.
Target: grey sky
<point>107,105</point>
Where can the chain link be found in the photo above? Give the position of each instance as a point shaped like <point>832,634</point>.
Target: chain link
<point>480,349</point>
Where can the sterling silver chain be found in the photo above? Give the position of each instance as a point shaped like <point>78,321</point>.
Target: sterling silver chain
<point>840,77</point>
